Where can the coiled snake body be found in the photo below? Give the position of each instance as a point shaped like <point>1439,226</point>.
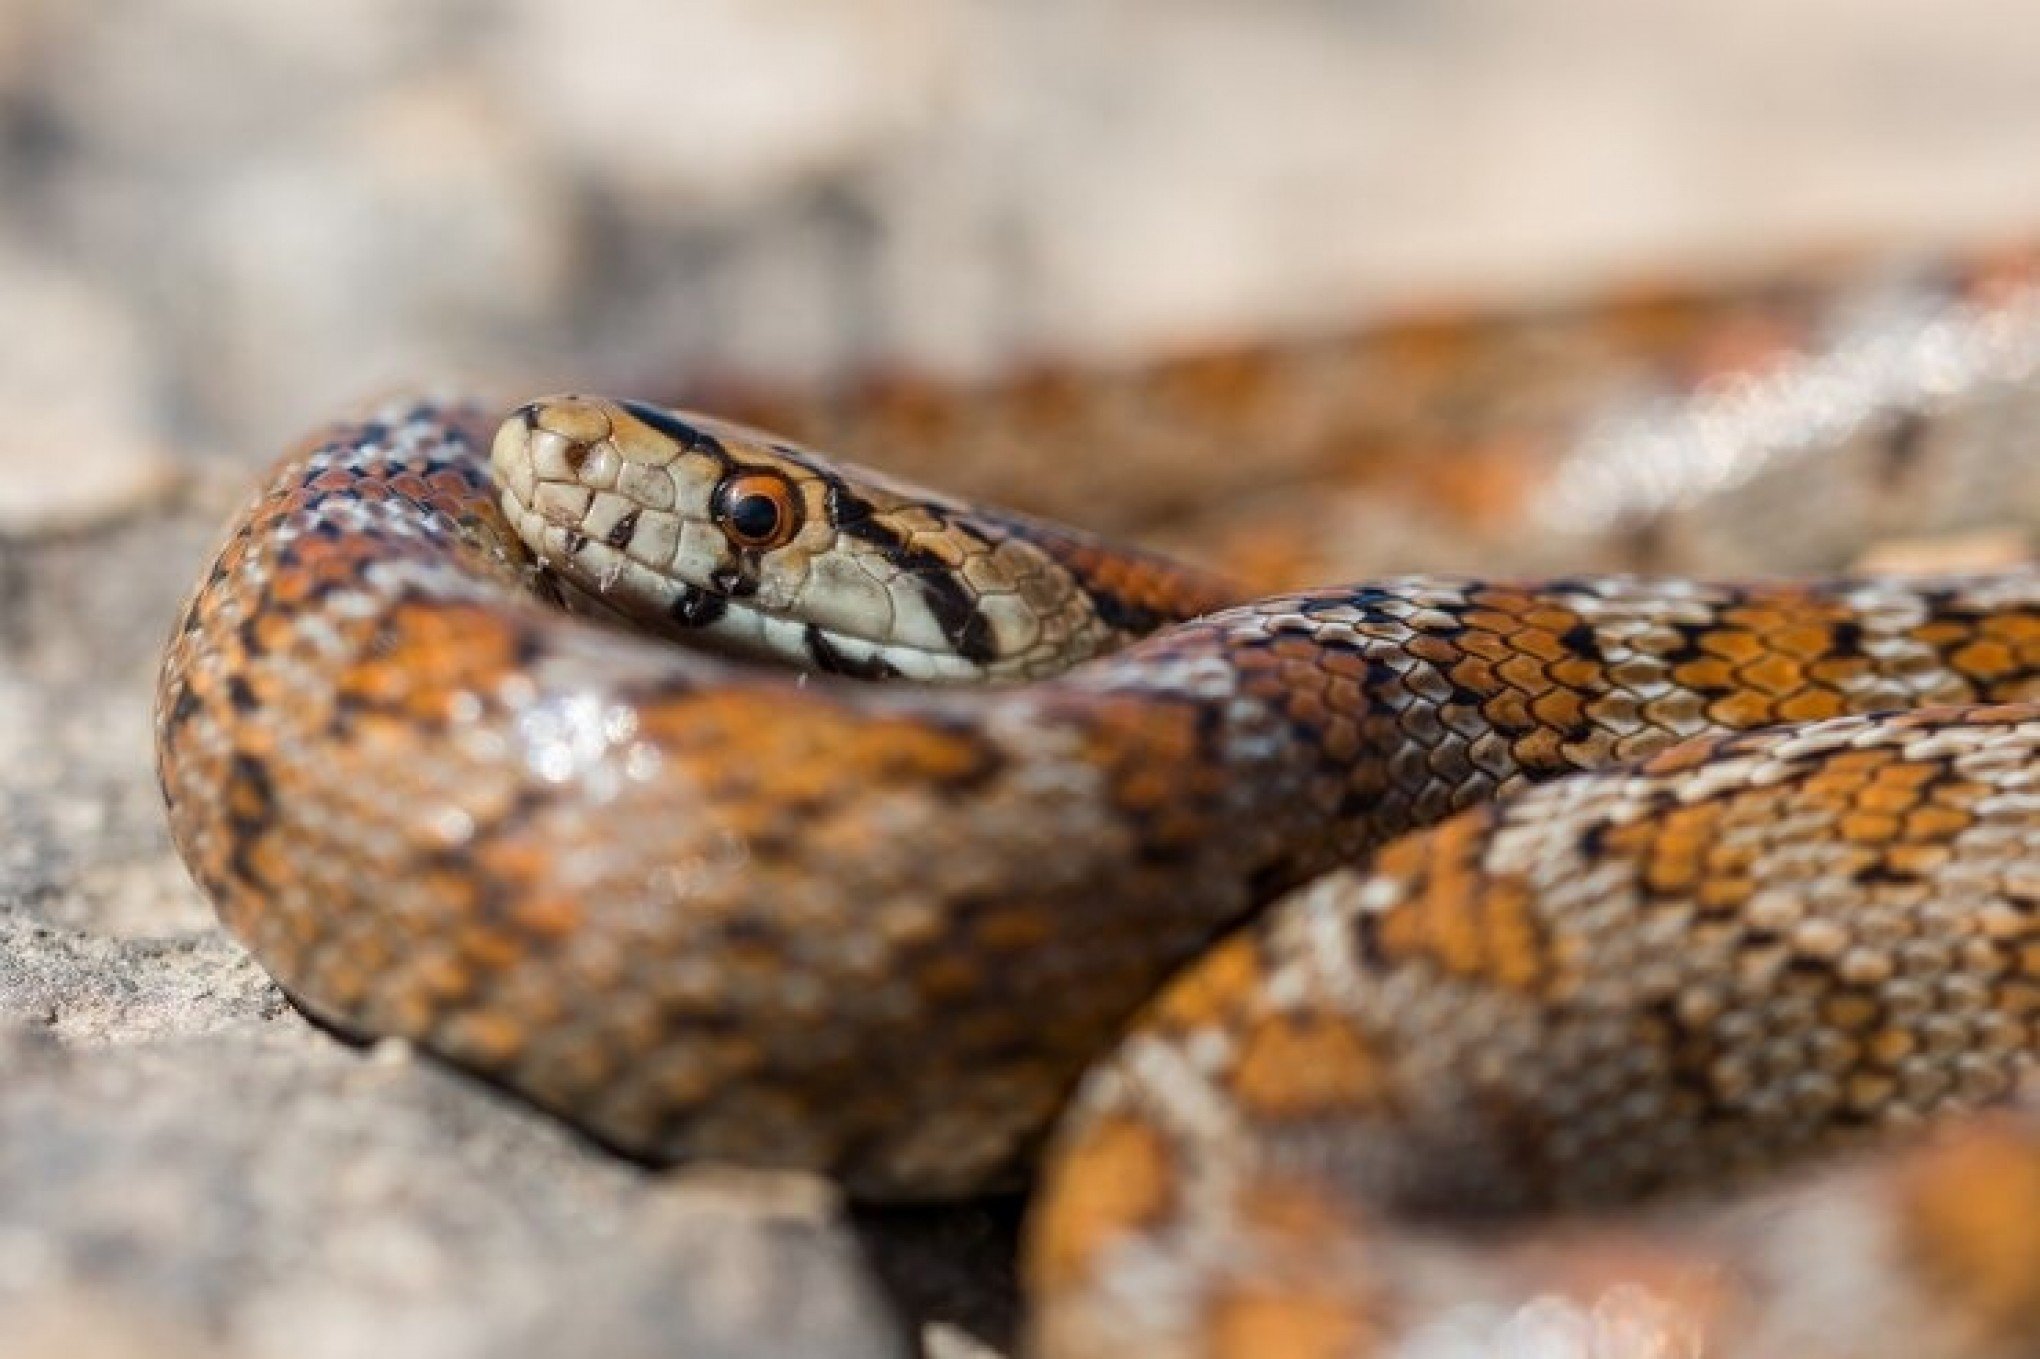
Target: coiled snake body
<point>1787,898</point>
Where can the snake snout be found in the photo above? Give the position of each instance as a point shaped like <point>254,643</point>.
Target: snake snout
<point>542,454</point>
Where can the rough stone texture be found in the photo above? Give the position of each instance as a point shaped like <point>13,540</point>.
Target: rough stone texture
<point>260,1190</point>
<point>221,219</point>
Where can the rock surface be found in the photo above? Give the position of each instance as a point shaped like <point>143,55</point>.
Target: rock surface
<point>221,219</point>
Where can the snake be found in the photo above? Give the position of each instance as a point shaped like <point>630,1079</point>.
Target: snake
<point>1396,968</point>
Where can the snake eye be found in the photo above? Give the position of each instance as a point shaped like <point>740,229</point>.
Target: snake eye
<point>757,509</point>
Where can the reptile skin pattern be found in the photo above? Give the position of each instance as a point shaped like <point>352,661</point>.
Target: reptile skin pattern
<point>1666,976</point>
<point>1586,892</point>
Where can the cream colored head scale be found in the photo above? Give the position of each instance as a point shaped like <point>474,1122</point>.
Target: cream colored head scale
<point>723,535</point>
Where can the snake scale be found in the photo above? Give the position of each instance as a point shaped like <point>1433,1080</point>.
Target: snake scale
<point>1616,944</point>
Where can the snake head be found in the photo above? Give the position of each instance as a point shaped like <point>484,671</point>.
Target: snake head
<point>725,536</point>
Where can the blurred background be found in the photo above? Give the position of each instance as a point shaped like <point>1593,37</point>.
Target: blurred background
<point>222,221</point>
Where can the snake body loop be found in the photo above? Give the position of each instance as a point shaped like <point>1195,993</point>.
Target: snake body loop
<point>705,909</point>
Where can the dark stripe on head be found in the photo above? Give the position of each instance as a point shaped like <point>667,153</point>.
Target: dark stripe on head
<point>619,533</point>
<point>692,608</point>
<point>843,505</point>
<point>1121,614</point>
<point>1113,609</point>
<point>736,581</point>
<point>830,660</point>
<point>956,612</point>
<point>955,609</point>
<point>676,429</point>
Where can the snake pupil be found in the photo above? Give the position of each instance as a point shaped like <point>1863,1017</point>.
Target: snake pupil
<point>755,516</point>
<point>756,510</point>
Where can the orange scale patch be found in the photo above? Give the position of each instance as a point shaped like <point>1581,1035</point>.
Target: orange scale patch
<point>269,861</point>
<point>1440,651</point>
<point>440,975</point>
<point>1916,860</point>
<point>1289,1212</point>
<point>1722,894</point>
<point>1959,794</point>
<point>1345,665</point>
<point>1262,1323</point>
<point>1516,955</point>
<point>1713,672</point>
<point>452,890</point>
<point>1805,641</point>
<point>1853,763</point>
<point>549,917</point>
<point>447,645</point>
<point>1836,670</point>
<point>1303,1065</point>
<point>1408,858</point>
<point>1015,927</point>
<point>1525,672</point>
<point>1742,711</point>
<point>1510,713</point>
<point>1144,789</point>
<point>1942,633</point>
<point>1472,673</point>
<point>1484,644</point>
<point>488,1040</point>
<point>1551,618</point>
<point>1987,660</point>
<point>491,950</point>
<point>1851,1011</point>
<point>1775,674</point>
<point>1310,708</point>
<point>1733,645</point>
<point>1930,822</point>
<point>1289,647</point>
<point>274,631</point>
<point>1545,646</point>
<point>516,861</point>
<point>1909,774</point>
<point>1499,615</point>
<point>1889,794</point>
<point>1812,705</point>
<point>1971,1225</point>
<point>1869,828</point>
<point>1116,1180</point>
<point>944,978</point>
<point>2020,630</point>
<point>1213,988</point>
<point>333,479</point>
<point>1672,873</point>
<point>1577,672</point>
